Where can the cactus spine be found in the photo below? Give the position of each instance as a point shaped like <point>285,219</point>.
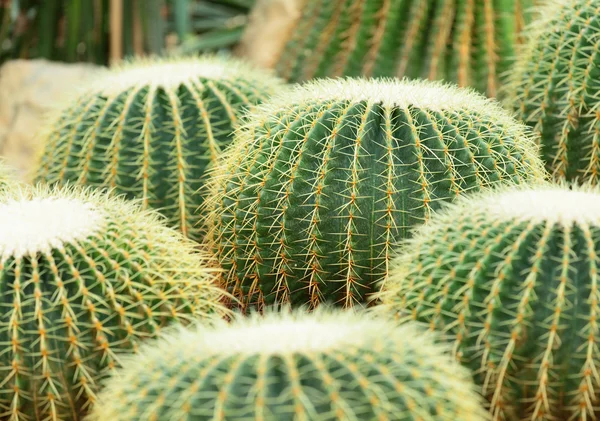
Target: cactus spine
<point>467,42</point>
<point>511,277</point>
<point>282,367</point>
<point>151,129</point>
<point>554,88</point>
<point>324,180</point>
<point>84,279</point>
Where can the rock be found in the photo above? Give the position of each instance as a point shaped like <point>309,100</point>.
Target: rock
<point>29,90</point>
<point>268,30</point>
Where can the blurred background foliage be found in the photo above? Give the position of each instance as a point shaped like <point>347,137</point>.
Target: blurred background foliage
<point>104,31</point>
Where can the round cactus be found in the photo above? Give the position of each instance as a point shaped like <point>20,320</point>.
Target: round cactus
<point>283,367</point>
<point>84,279</point>
<point>554,88</point>
<point>511,278</point>
<point>469,42</point>
<point>323,181</point>
<point>151,129</point>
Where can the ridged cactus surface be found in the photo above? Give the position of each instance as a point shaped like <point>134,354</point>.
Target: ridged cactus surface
<point>285,367</point>
<point>151,128</point>
<point>83,280</point>
<point>324,180</point>
<point>555,87</point>
<point>468,42</point>
<point>511,277</point>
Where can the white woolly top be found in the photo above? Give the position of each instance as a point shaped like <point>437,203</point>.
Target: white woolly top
<point>171,73</point>
<point>278,334</point>
<point>38,225</point>
<point>551,203</point>
<point>435,96</point>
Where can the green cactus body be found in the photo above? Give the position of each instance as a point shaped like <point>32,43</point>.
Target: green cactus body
<point>554,88</point>
<point>284,367</point>
<point>468,42</point>
<point>325,179</point>
<point>84,279</point>
<point>151,129</point>
<point>511,278</point>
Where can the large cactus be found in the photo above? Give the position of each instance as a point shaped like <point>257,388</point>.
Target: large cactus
<point>84,279</point>
<point>151,129</point>
<point>511,277</point>
<point>324,180</point>
<point>470,42</point>
<point>554,87</point>
<point>323,366</point>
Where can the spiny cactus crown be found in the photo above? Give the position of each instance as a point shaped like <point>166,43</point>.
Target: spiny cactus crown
<point>469,42</point>
<point>554,87</point>
<point>323,181</point>
<point>31,226</point>
<point>511,278</point>
<point>84,279</point>
<point>320,366</point>
<point>151,128</point>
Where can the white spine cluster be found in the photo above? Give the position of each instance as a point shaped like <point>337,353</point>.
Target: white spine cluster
<point>38,225</point>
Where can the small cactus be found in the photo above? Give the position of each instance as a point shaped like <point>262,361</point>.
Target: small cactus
<point>84,279</point>
<point>511,278</point>
<point>554,88</point>
<point>324,180</point>
<point>150,130</point>
<point>284,367</point>
<point>469,42</point>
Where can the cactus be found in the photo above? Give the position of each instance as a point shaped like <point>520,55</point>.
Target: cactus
<point>324,180</point>
<point>511,278</point>
<point>554,88</point>
<point>283,367</point>
<point>85,278</point>
<point>468,42</point>
<point>150,130</point>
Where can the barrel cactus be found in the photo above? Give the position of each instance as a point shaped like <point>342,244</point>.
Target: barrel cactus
<point>511,278</point>
<point>469,42</point>
<point>554,88</point>
<point>150,130</point>
<point>284,367</point>
<point>323,181</point>
<point>84,279</point>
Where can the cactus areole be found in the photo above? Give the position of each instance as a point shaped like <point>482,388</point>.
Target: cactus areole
<point>84,279</point>
<point>511,278</point>
<point>317,367</point>
<point>151,128</point>
<point>325,180</point>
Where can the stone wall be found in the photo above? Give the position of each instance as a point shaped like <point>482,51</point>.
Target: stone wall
<point>268,30</point>
<point>29,91</point>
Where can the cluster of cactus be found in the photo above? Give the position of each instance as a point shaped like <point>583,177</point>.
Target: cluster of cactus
<point>323,182</point>
<point>150,130</point>
<point>322,186</point>
<point>320,366</point>
<point>511,278</point>
<point>470,42</point>
<point>84,279</point>
<point>554,88</point>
